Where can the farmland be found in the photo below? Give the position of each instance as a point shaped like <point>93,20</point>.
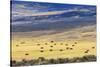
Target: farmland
<point>54,45</point>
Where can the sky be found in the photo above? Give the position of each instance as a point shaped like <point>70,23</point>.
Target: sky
<point>29,16</point>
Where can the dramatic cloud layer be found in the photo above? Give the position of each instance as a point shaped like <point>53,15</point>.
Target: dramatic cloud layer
<point>30,16</point>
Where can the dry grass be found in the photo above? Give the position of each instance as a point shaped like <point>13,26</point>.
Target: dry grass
<point>73,45</point>
<point>67,49</point>
<point>42,60</point>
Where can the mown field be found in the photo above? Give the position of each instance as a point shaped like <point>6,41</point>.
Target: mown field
<point>32,48</point>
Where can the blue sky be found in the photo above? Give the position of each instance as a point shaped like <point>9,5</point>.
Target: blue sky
<point>39,14</point>
<point>51,6</point>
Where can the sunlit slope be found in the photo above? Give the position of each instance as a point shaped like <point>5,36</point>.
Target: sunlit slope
<point>65,44</point>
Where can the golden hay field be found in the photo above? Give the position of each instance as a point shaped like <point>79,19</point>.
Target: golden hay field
<point>69,44</point>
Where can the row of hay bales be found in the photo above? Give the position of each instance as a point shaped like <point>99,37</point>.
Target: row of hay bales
<point>42,60</point>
